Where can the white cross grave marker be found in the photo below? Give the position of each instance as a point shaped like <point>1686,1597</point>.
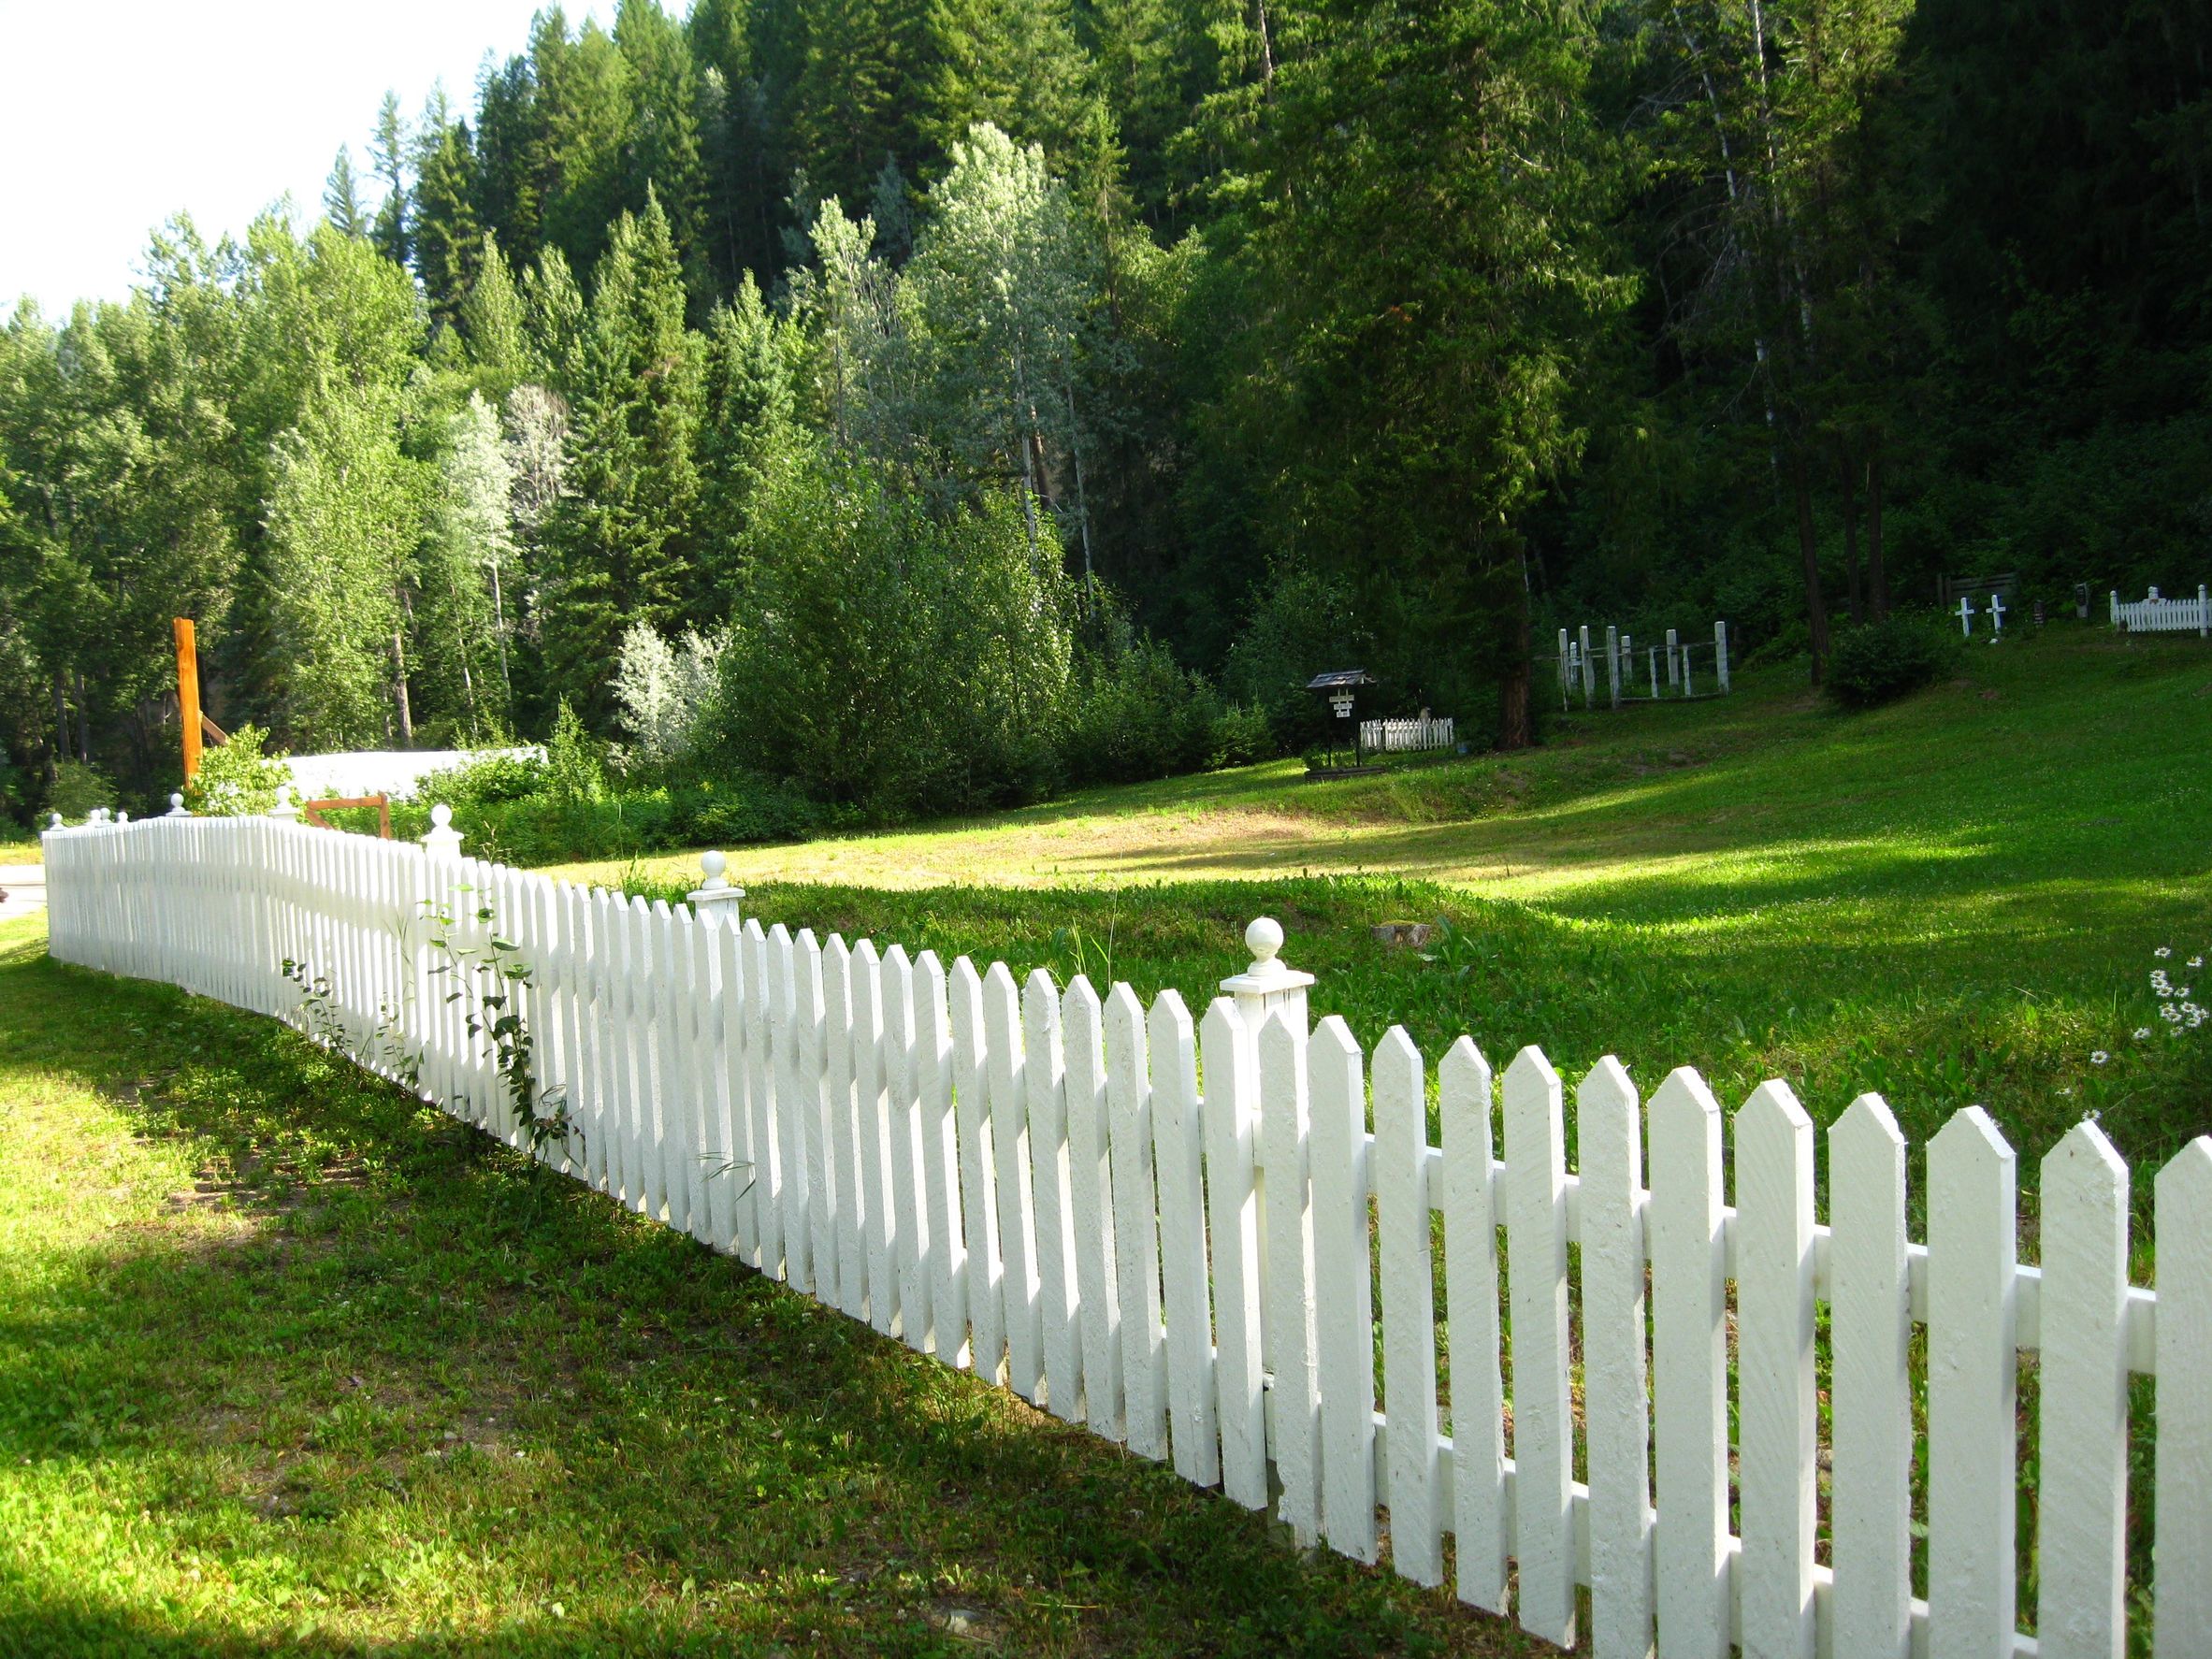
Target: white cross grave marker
<point>1997,612</point>
<point>1966,616</point>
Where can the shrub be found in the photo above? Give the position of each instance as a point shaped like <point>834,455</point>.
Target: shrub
<point>1303,623</point>
<point>665,687</point>
<point>1878,662</point>
<point>236,780</point>
<point>575,762</point>
<point>79,787</point>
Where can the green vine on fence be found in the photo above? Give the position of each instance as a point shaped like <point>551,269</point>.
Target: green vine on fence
<point>487,979</point>
<point>322,1018</point>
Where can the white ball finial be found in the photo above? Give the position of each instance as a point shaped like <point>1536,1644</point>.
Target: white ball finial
<point>441,816</point>
<point>714,864</point>
<point>53,820</point>
<point>1264,939</point>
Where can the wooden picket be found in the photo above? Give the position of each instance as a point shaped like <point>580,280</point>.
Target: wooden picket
<point>1178,1235</point>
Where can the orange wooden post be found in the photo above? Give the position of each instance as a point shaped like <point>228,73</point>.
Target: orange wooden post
<point>188,695</point>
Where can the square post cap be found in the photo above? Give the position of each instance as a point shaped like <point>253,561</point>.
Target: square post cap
<point>1268,973</point>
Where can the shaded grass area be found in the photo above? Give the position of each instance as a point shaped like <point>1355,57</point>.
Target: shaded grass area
<point>288,1362</point>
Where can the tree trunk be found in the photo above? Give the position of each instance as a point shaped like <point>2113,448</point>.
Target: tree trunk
<point>1877,575</point>
<point>1851,542</point>
<point>1514,731</point>
<point>84,721</point>
<point>61,720</point>
<point>1809,549</point>
<point>399,688</point>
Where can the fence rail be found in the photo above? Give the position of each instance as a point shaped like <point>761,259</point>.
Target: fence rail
<point>1175,1230</point>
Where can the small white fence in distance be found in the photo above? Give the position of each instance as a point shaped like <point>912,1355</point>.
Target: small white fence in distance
<point>1403,737</point>
<point>2157,615</point>
<point>1160,1226</point>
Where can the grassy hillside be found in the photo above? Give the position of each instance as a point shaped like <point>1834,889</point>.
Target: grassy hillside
<point>1953,900</point>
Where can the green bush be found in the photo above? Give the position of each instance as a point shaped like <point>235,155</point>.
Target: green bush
<point>79,787</point>
<point>236,780</point>
<point>1878,662</point>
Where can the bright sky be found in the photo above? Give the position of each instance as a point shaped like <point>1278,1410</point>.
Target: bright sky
<point>113,117</point>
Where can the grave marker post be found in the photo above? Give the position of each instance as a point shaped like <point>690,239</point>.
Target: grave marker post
<point>1997,616</point>
<point>1720,653</point>
<point>1612,664</point>
<point>1673,665</point>
<point>1966,616</point>
<point>1589,673</point>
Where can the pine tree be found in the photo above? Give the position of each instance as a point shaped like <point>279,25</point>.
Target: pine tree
<point>622,539</point>
<point>388,153</point>
<point>586,102</point>
<point>853,101</point>
<point>749,408</point>
<point>341,201</point>
<point>510,161</point>
<point>1021,69</point>
<point>495,323</point>
<point>664,141</point>
<point>447,240</point>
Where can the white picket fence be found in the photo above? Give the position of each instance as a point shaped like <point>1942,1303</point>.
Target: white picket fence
<point>1030,1181</point>
<point>1394,737</point>
<point>2156,616</point>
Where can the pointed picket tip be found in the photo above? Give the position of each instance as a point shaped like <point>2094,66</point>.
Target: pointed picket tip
<point>864,951</point>
<point>1530,1066</point>
<point>930,969</point>
<point>808,941</point>
<point>1080,995</point>
<point>895,957</point>
<point>2085,1160</point>
<point>1000,979</point>
<point>660,909</point>
<point>1868,1124</point>
<point>1397,1048</point>
<point>965,975</point>
<point>1278,1035</point>
<point>1607,1084</point>
<point>1122,1008</point>
<point>1971,1133</point>
<point>1040,984</point>
<point>837,950</point>
<point>637,906</point>
<point>1170,1016</point>
<point>2187,1177</point>
<point>1221,1023</point>
<point>1682,1098</point>
<point>1332,1036</point>
<point>780,936</point>
<point>1773,1103</point>
<point>1463,1065</point>
<point>753,929</point>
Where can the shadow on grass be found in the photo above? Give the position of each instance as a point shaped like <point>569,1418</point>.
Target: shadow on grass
<point>366,1381</point>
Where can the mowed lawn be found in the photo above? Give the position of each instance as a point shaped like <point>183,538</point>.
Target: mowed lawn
<point>1953,900</point>
<point>290,1363</point>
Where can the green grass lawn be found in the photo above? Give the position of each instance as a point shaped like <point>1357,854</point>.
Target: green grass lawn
<point>1952,901</point>
<point>288,1362</point>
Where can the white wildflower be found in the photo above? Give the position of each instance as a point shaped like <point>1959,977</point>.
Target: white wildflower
<point>2196,961</point>
<point>2167,1011</point>
<point>2099,1058</point>
<point>2142,1033</point>
<point>2163,950</point>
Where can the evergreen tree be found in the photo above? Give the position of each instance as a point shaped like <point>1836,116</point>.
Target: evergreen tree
<point>664,156</point>
<point>342,201</point>
<point>388,151</point>
<point>584,100</point>
<point>1442,263</point>
<point>1021,69</point>
<point>447,240</point>
<point>749,412</point>
<point>496,323</point>
<point>511,163</point>
<point>622,539</point>
<point>853,100</point>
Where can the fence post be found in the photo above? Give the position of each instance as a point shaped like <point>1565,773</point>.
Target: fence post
<point>716,891</point>
<point>1720,653</point>
<point>177,808</point>
<point>1563,670</point>
<point>1612,664</point>
<point>1269,983</point>
<point>442,840</point>
<point>1589,673</point>
<point>1673,668</point>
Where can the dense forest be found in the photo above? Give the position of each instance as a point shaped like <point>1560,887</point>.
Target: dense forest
<point>928,403</point>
